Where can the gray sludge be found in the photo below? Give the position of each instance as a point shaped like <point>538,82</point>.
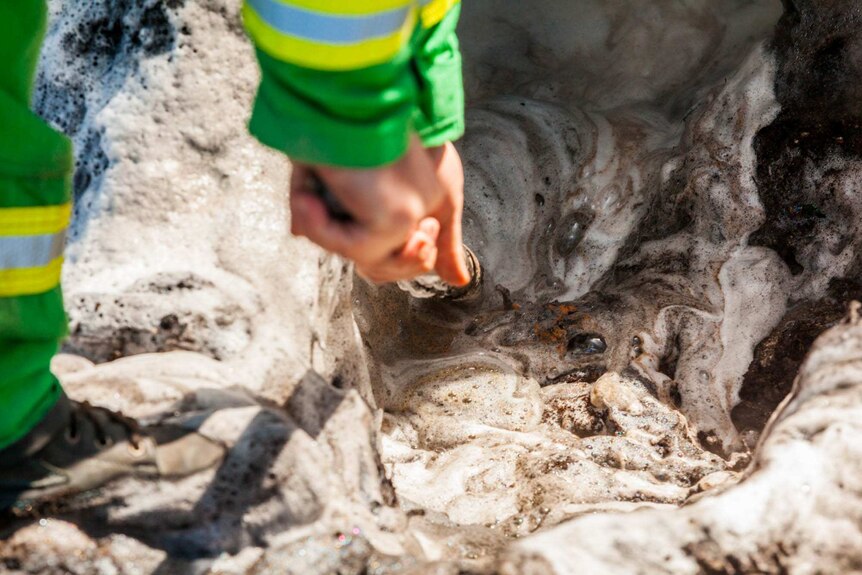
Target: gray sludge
<point>662,372</point>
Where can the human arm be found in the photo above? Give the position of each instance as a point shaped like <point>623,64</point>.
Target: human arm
<point>351,112</point>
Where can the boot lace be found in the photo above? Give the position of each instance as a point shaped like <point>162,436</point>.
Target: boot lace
<point>83,410</point>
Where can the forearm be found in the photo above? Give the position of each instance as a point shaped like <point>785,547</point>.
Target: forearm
<point>354,91</point>
<point>333,93</point>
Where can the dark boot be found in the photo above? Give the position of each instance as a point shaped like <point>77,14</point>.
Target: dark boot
<point>78,447</point>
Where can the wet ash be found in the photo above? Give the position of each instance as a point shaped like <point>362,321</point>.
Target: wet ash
<point>105,40</point>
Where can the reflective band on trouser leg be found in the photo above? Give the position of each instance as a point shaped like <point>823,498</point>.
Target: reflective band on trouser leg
<point>35,185</point>
<point>34,220</point>
<point>318,38</point>
<point>31,248</point>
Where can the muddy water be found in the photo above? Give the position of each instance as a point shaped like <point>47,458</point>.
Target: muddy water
<point>598,369</point>
<point>519,410</point>
<point>646,305</point>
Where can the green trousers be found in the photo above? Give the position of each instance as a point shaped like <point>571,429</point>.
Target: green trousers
<point>35,183</point>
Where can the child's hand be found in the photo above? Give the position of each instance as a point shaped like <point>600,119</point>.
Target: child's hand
<point>406,216</point>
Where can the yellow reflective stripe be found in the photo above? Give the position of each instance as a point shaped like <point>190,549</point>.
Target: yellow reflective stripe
<point>351,8</point>
<point>322,56</point>
<point>434,11</point>
<point>30,281</point>
<point>43,220</point>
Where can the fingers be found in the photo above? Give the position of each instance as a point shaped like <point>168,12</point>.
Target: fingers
<point>416,258</point>
<point>395,270</point>
<point>405,218</point>
<point>386,205</point>
<point>426,235</point>
<point>451,263</point>
<point>376,261</point>
<point>311,218</point>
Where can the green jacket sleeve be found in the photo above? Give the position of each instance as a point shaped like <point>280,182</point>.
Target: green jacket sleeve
<point>360,118</point>
<point>345,90</point>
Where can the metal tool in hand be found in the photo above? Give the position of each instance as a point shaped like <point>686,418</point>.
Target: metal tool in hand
<point>426,286</point>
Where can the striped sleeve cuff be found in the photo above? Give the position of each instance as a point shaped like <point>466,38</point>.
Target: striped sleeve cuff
<point>351,39</point>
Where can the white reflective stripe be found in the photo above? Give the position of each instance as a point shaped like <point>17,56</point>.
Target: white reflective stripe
<point>30,251</point>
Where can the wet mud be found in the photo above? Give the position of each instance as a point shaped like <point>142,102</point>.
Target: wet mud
<point>660,374</point>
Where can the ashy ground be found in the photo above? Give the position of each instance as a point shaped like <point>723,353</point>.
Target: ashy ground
<point>662,375</point>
